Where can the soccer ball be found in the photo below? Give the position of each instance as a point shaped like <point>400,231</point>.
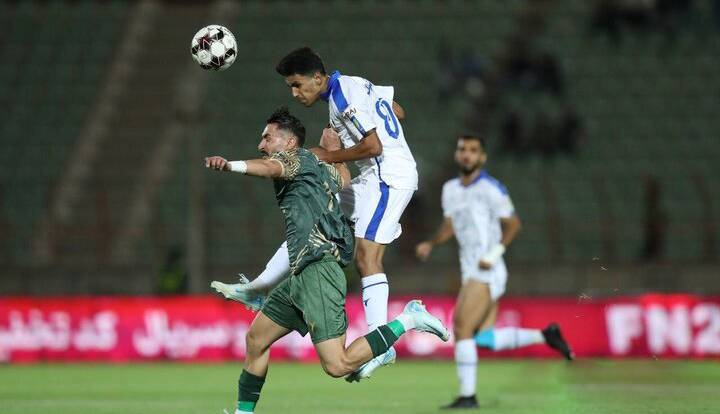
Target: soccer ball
<point>214,48</point>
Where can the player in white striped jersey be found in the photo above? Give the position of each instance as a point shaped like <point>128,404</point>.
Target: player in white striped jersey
<point>478,211</point>
<point>366,119</point>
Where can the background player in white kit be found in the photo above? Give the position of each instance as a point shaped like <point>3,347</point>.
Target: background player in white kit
<point>365,117</point>
<point>478,211</point>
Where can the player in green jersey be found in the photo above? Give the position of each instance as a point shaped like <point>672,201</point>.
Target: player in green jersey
<point>319,240</point>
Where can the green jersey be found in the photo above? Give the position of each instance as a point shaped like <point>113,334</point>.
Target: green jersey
<point>307,195</point>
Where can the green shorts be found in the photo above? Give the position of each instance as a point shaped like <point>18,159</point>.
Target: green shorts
<point>312,301</point>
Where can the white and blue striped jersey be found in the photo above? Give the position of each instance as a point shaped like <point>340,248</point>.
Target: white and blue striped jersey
<point>476,210</point>
<point>357,106</point>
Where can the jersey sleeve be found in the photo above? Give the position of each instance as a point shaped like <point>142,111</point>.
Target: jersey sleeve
<point>290,161</point>
<point>445,200</point>
<point>385,92</point>
<point>335,175</point>
<point>500,202</point>
<point>354,106</point>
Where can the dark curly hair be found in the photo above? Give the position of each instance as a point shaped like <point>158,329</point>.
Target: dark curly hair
<point>302,61</point>
<point>473,136</point>
<point>285,121</point>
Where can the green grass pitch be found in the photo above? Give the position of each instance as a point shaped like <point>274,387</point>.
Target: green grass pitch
<point>504,386</point>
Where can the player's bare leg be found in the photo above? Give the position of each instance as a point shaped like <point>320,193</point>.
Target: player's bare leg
<point>338,361</point>
<point>473,324</point>
<point>500,339</point>
<point>474,305</point>
<point>491,317</point>
<point>375,293</point>
<point>263,333</point>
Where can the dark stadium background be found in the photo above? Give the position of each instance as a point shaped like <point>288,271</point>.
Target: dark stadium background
<point>602,118</point>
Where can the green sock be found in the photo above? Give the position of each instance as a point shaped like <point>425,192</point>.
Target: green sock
<point>382,338</point>
<point>249,387</point>
<point>397,327</point>
<point>246,406</point>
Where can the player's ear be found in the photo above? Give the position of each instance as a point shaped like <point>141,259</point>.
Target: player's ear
<point>317,77</point>
<point>292,142</point>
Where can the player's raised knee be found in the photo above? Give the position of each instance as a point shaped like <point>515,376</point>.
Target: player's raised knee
<point>337,367</point>
<point>458,322</point>
<point>335,370</point>
<point>461,328</point>
<point>254,342</point>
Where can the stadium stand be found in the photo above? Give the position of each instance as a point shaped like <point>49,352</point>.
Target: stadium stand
<point>648,114</point>
<point>45,93</point>
<point>640,184</point>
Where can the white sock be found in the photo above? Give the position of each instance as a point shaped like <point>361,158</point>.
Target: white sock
<point>277,269</point>
<point>375,298</point>
<point>406,321</point>
<point>466,360</point>
<point>513,338</point>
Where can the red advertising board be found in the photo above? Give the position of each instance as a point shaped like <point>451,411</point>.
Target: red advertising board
<point>203,328</point>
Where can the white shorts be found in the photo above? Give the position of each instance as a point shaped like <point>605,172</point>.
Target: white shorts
<point>496,278</point>
<point>375,208</point>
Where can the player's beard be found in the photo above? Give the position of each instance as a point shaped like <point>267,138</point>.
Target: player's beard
<point>469,170</point>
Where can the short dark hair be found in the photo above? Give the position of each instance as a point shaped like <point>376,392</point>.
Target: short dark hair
<point>302,61</point>
<point>285,121</point>
<point>475,137</point>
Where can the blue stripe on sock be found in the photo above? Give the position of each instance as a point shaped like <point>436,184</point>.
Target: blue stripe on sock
<point>486,338</point>
<point>374,284</point>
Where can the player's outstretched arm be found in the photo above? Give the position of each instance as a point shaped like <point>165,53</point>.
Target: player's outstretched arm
<point>269,168</point>
<point>368,147</point>
<point>443,234</point>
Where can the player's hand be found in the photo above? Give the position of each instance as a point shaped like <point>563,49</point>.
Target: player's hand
<point>422,250</point>
<point>330,140</point>
<point>217,163</point>
<point>485,265</point>
<point>321,153</point>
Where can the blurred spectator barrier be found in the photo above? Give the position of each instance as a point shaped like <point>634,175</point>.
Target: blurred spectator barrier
<point>204,328</point>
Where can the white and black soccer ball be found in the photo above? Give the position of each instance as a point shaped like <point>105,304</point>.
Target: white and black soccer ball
<point>214,47</point>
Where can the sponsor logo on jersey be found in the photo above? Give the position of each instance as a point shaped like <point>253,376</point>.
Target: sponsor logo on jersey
<point>349,113</point>
<point>369,87</point>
